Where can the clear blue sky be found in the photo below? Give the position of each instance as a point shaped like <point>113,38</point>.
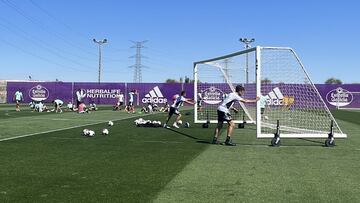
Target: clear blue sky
<point>53,39</point>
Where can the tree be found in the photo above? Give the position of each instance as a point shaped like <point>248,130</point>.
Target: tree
<point>187,79</point>
<point>266,81</point>
<point>171,81</point>
<point>333,81</point>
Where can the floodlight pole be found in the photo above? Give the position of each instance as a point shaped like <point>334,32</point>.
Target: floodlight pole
<point>100,42</point>
<point>247,43</point>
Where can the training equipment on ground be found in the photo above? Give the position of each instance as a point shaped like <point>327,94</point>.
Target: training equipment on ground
<point>88,133</point>
<point>288,98</point>
<point>110,123</point>
<point>147,123</point>
<point>187,125</point>
<point>105,131</point>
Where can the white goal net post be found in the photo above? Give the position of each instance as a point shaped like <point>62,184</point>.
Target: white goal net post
<point>275,75</point>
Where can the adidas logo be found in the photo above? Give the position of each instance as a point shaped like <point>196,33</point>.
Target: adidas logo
<point>275,97</point>
<point>154,96</point>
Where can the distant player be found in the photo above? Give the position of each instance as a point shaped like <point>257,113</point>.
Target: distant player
<point>18,97</point>
<point>199,101</point>
<point>58,104</point>
<point>120,102</point>
<point>223,113</point>
<point>32,105</point>
<point>165,108</point>
<point>80,95</point>
<point>40,107</point>
<point>93,106</point>
<point>174,109</point>
<point>262,103</point>
<point>71,107</point>
<point>130,106</point>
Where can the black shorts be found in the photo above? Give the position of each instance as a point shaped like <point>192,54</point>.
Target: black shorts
<point>173,111</point>
<point>262,110</point>
<point>222,116</point>
<point>130,104</point>
<point>199,102</point>
<point>18,101</point>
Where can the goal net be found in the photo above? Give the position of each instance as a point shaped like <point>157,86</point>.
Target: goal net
<point>275,75</point>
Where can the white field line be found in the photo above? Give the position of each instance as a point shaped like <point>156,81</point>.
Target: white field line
<point>65,119</point>
<point>61,129</point>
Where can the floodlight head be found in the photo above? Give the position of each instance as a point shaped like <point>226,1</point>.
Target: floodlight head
<point>104,41</point>
<point>94,40</point>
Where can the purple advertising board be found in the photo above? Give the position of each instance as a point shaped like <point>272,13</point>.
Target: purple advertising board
<point>343,96</point>
<point>103,93</point>
<point>159,93</point>
<point>40,91</point>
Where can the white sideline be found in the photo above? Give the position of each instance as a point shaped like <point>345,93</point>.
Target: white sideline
<point>61,129</point>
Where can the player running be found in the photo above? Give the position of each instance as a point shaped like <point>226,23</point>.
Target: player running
<point>174,108</point>
<point>120,102</point>
<point>223,112</point>
<point>18,97</point>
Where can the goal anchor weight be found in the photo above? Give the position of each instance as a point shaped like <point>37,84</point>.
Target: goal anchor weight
<point>275,142</point>
<point>206,125</point>
<point>242,125</point>
<point>330,141</point>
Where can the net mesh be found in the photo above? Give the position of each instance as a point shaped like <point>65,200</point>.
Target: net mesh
<point>287,93</point>
<point>216,79</point>
<point>290,96</point>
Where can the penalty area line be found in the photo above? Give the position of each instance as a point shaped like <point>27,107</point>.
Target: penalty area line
<point>68,128</point>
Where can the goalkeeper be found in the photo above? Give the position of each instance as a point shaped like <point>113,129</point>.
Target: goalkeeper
<point>223,112</point>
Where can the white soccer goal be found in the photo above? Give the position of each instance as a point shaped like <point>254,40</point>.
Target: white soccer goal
<point>275,74</point>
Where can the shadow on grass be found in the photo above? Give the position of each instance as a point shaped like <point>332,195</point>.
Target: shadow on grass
<point>184,134</point>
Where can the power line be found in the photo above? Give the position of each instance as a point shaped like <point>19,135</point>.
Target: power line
<point>44,45</point>
<point>43,27</point>
<point>40,57</point>
<point>139,45</point>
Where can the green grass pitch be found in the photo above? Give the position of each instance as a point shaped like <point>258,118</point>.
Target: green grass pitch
<point>49,161</point>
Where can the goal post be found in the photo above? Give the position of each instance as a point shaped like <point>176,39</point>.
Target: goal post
<point>277,76</point>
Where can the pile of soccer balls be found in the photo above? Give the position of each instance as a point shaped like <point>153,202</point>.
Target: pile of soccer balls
<point>91,133</point>
<point>147,123</point>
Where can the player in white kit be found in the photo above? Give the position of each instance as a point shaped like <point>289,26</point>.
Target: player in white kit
<point>223,112</point>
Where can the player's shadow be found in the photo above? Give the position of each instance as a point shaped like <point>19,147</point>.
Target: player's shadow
<point>184,134</point>
<point>198,140</point>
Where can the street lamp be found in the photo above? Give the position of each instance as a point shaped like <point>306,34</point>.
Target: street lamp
<point>247,43</point>
<point>100,42</point>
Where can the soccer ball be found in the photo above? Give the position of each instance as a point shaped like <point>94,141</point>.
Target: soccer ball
<point>187,125</point>
<point>86,132</point>
<point>91,133</point>
<point>180,122</point>
<point>110,123</point>
<point>105,131</point>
